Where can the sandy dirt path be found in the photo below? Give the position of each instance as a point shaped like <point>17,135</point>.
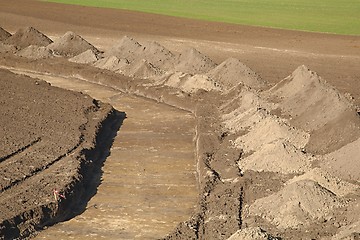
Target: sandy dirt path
<point>152,161</point>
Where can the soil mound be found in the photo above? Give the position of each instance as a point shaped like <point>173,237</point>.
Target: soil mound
<point>245,110</point>
<point>112,63</point>
<point>345,128</point>
<point>158,55</point>
<point>6,48</point>
<point>269,130</point>
<point>126,48</point>
<point>4,34</point>
<point>350,232</point>
<point>316,106</point>
<point>25,37</point>
<point>197,82</point>
<point>279,157</point>
<point>232,72</point>
<point>89,56</point>
<point>251,233</point>
<point>35,52</point>
<point>328,181</point>
<point>193,62</point>
<point>71,45</point>
<point>309,98</point>
<point>176,79</point>
<point>344,163</point>
<point>142,69</point>
<point>154,53</point>
<point>297,204</point>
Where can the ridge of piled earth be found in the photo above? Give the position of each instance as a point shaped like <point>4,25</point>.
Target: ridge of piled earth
<point>273,161</point>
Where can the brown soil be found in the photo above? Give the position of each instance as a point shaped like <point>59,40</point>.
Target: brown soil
<point>4,34</point>
<point>70,45</point>
<point>48,135</point>
<point>28,36</point>
<point>277,162</point>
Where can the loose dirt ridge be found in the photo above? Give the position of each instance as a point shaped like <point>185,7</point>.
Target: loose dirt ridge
<point>276,161</point>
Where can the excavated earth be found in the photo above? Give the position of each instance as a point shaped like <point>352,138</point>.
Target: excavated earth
<point>276,144</point>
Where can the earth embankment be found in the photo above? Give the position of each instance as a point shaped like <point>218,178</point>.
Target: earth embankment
<point>53,139</point>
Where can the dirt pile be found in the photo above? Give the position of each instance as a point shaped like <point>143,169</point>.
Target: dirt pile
<point>112,63</point>
<point>141,69</point>
<point>244,110</point>
<point>154,53</point>
<point>273,145</point>
<point>297,205</point>
<point>232,72</point>
<point>176,79</point>
<point>35,52</point>
<point>158,55</point>
<point>189,71</point>
<point>344,162</point>
<point>89,56</point>
<point>154,62</point>
<point>197,82</point>
<point>25,37</point>
<point>193,62</point>
<point>70,45</point>
<point>279,131</point>
<point>5,48</point>
<point>334,184</point>
<point>126,48</point>
<point>283,160</point>
<point>4,34</point>
<point>348,232</point>
<point>317,107</point>
<point>252,233</point>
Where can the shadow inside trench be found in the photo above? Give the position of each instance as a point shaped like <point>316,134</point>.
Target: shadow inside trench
<point>92,175</point>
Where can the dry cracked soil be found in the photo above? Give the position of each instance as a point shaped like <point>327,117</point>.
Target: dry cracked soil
<point>124,125</point>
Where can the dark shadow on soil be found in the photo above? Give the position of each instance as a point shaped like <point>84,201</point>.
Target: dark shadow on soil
<point>92,178</point>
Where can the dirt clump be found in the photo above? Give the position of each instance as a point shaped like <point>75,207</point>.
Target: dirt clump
<point>158,55</point>
<point>351,232</point>
<point>35,52</point>
<point>251,233</point>
<point>126,48</point>
<point>152,52</point>
<point>112,63</point>
<point>4,34</point>
<point>334,184</point>
<point>343,162</point>
<point>141,69</point>
<point>270,130</point>
<point>232,72</point>
<point>197,82</point>
<point>6,48</point>
<point>89,56</point>
<point>25,37</point>
<point>193,62</point>
<point>70,45</point>
<point>297,204</point>
<point>317,107</point>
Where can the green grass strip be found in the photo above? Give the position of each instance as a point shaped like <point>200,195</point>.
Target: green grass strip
<point>329,16</point>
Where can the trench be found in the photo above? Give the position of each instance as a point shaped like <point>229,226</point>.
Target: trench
<point>148,183</point>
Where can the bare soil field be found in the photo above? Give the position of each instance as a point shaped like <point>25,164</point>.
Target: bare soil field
<point>277,118</point>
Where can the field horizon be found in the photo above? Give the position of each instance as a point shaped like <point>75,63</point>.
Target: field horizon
<point>320,16</point>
